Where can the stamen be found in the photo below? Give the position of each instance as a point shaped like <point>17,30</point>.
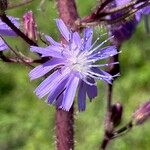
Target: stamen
<point>94,77</point>
<point>96,41</point>
<point>89,83</point>
<point>117,75</point>
<point>99,75</point>
<point>93,60</point>
<point>90,52</point>
<point>102,65</point>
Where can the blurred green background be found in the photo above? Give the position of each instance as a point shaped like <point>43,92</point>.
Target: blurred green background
<point>27,123</point>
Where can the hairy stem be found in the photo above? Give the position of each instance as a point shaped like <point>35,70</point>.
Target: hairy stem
<point>115,134</point>
<point>108,126</point>
<point>65,120</point>
<point>110,86</point>
<point>64,129</point>
<point>122,130</point>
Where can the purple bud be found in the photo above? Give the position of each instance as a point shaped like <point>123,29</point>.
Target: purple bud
<point>141,114</point>
<point>116,113</point>
<point>123,31</point>
<point>29,25</point>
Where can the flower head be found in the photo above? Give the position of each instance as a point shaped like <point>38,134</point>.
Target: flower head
<point>124,30</point>
<point>72,68</point>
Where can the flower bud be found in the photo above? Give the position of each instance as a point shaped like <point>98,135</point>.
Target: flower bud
<point>123,31</point>
<point>29,25</point>
<point>116,113</point>
<point>141,114</point>
<point>3,6</point>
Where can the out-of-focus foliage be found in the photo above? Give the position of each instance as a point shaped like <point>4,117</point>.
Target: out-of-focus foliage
<point>27,123</point>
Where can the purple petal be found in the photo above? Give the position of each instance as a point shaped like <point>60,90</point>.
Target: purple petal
<point>82,96</point>
<point>91,90</point>
<point>6,30</point>
<point>108,78</point>
<point>105,52</point>
<point>15,21</point>
<point>3,45</point>
<point>41,70</point>
<point>52,41</point>
<point>59,100</point>
<point>70,92</point>
<point>144,11</point>
<point>76,40</point>
<point>124,31</point>
<point>51,82</point>
<point>55,93</point>
<point>138,16</point>
<point>53,51</point>
<point>122,2</point>
<point>63,29</point>
<point>88,35</point>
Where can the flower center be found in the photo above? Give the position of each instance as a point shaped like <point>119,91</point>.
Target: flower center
<point>78,62</point>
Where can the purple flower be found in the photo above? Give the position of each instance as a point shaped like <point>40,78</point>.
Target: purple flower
<point>74,68</point>
<point>7,31</point>
<point>124,30</point>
